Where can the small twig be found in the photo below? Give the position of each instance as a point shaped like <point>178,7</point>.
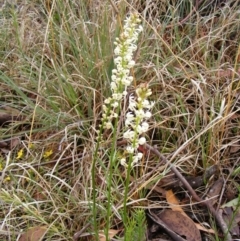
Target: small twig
<point>80,233</point>
<point>217,216</point>
<point>114,7</point>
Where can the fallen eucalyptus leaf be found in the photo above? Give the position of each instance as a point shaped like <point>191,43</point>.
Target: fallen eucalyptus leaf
<point>34,234</point>
<point>180,224</point>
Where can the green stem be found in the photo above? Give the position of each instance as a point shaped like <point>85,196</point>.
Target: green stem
<point>110,174</point>
<point>125,212</point>
<point>94,205</point>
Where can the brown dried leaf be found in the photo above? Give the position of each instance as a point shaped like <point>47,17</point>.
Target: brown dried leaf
<point>180,224</point>
<point>173,202</point>
<point>111,234</point>
<point>34,234</point>
<point>158,222</point>
<point>174,205</point>
<point>15,141</point>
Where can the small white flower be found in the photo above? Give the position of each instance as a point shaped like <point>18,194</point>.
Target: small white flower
<point>104,107</point>
<point>129,119</point>
<point>123,162</point>
<point>140,28</point>
<point>133,47</point>
<point>129,134</point>
<point>140,113</point>
<point>131,64</point>
<point>152,103</point>
<point>145,126</point>
<point>117,50</point>
<point>139,129</point>
<point>146,103</point>
<point>126,72</point>
<point>107,101</point>
<point>148,114</point>
<point>149,92</point>
<point>115,115</point>
<point>139,155</point>
<point>118,80</point>
<point>117,96</point>
<point>142,141</point>
<point>108,125</point>
<point>128,57</point>
<point>114,77</point>
<point>130,116</point>
<point>114,104</point>
<point>118,60</point>
<point>125,81</point>
<point>132,103</point>
<point>128,29</point>
<point>130,149</point>
<point>113,86</point>
<point>130,78</point>
<point>135,160</point>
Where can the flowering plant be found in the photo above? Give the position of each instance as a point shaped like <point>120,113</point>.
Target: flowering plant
<point>139,107</point>
<point>136,115</point>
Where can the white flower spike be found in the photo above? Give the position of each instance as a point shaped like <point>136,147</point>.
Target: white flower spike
<point>121,79</point>
<point>139,109</point>
<point>136,121</point>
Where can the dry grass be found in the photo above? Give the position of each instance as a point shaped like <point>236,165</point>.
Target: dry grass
<point>55,70</point>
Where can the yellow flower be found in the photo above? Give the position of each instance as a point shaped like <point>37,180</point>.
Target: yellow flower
<point>1,167</point>
<point>47,154</point>
<point>20,154</point>
<point>30,145</point>
<point>7,179</point>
